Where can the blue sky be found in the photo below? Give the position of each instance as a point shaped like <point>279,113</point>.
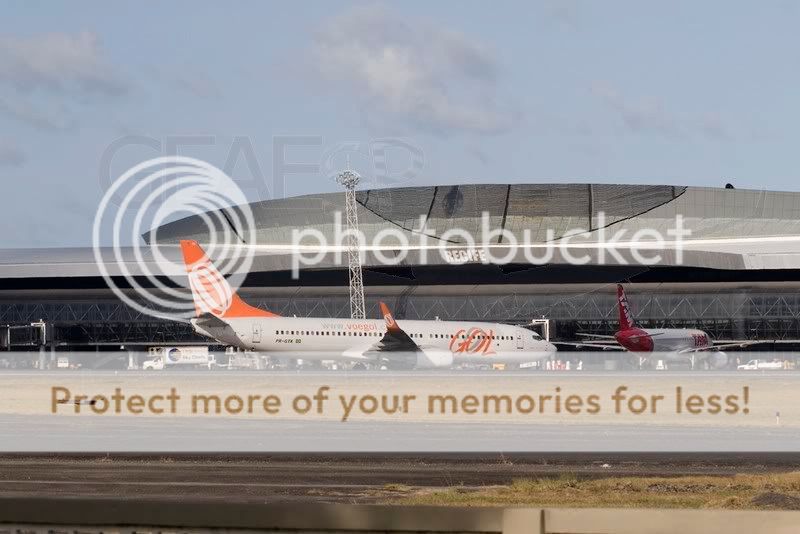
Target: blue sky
<point>695,93</point>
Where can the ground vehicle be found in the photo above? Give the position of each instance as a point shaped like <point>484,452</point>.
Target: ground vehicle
<point>163,357</point>
<point>760,365</point>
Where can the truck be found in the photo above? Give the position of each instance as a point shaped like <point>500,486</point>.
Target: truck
<point>760,365</point>
<point>160,358</point>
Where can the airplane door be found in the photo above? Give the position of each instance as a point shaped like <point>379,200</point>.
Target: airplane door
<point>520,343</point>
<point>256,333</point>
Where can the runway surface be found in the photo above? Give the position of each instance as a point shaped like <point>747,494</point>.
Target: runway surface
<point>336,478</point>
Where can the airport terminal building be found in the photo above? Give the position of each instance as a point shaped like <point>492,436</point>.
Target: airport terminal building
<point>737,276</point>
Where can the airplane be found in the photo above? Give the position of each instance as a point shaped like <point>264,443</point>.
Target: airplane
<point>223,316</point>
<point>671,344</point>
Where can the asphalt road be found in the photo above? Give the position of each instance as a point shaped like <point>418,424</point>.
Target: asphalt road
<point>342,478</point>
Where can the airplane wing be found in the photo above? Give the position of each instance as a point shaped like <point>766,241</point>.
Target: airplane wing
<point>724,346</point>
<point>210,320</point>
<point>395,347</point>
<point>397,350</point>
<point>598,336</point>
<point>599,345</point>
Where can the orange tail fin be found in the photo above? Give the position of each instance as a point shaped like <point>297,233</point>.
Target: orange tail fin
<point>211,291</point>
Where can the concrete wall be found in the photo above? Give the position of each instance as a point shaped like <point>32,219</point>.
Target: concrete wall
<point>98,515</point>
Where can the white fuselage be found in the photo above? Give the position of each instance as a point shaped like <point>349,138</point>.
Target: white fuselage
<point>678,339</point>
<point>670,344</point>
<point>348,339</point>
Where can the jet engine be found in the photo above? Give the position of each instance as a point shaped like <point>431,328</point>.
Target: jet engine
<point>718,360</point>
<point>418,359</point>
<point>434,359</point>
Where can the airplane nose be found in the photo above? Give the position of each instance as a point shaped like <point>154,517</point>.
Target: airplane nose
<point>551,349</point>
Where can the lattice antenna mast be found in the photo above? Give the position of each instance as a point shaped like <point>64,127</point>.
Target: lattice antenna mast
<point>349,180</point>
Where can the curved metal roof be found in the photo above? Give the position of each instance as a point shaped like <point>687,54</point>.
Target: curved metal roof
<point>535,207</point>
<point>730,228</point>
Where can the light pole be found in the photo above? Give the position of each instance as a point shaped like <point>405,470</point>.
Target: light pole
<point>349,180</point>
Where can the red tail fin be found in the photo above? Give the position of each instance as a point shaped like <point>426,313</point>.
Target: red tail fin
<point>211,291</point>
<point>625,316</point>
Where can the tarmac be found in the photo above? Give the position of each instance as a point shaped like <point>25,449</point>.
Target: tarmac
<point>334,478</point>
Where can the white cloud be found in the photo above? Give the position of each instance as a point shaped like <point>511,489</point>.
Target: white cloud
<point>189,80</point>
<point>11,155</point>
<point>412,71</point>
<point>20,111</point>
<point>651,115</point>
<point>58,62</point>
